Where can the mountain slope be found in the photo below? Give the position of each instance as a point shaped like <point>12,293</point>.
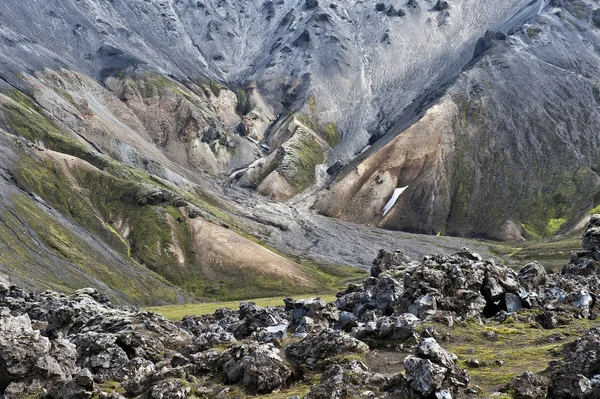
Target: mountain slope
<point>133,134</point>
<point>509,151</point>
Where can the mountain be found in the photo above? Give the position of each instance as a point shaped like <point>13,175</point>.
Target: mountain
<point>163,151</point>
<point>508,151</point>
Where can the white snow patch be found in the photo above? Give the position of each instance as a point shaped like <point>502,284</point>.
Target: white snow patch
<point>388,207</point>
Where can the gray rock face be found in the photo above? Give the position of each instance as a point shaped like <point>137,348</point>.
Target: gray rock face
<point>448,187</point>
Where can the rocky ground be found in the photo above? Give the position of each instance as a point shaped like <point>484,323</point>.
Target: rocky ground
<point>82,346</point>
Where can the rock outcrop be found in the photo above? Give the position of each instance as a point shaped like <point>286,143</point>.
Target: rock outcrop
<point>81,345</point>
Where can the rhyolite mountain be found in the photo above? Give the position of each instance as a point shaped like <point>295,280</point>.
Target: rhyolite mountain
<point>163,149</point>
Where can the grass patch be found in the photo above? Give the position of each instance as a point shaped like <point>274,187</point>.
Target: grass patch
<point>521,346</point>
<point>177,312</point>
<point>550,253</point>
<point>303,154</point>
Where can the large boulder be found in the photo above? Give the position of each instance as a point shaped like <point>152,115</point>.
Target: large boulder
<point>257,367</point>
<point>316,349</point>
<point>387,260</point>
<point>26,356</point>
<point>424,376</point>
<point>530,386</point>
<point>346,380</point>
<point>434,369</point>
<point>576,375</point>
<point>532,276</point>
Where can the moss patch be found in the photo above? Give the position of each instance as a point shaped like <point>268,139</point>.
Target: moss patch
<point>521,346</point>
<point>302,154</point>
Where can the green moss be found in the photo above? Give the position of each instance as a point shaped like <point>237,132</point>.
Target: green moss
<point>67,97</point>
<point>328,131</point>
<point>307,121</point>
<point>312,104</point>
<point>594,210</point>
<point>533,31</point>
<point>521,346</point>
<point>544,196</point>
<point>30,121</point>
<point>554,225</point>
<point>72,250</point>
<point>302,154</point>
<point>243,102</point>
<point>332,135</point>
<point>216,87</point>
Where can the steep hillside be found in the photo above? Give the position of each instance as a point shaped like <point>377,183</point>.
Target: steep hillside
<point>111,186</point>
<point>168,150</point>
<point>510,151</point>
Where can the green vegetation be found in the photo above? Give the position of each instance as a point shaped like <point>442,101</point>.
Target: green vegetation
<point>177,312</point>
<point>328,131</point>
<point>137,284</point>
<point>29,121</point>
<point>521,346</point>
<point>216,87</point>
<point>551,253</point>
<point>243,102</point>
<point>303,153</point>
<point>114,202</point>
<point>544,197</point>
<point>332,135</point>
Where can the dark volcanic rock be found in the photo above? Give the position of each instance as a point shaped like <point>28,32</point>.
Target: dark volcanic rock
<point>257,367</point>
<point>345,380</point>
<point>530,386</point>
<point>575,376</point>
<point>441,5</point>
<point>387,260</point>
<point>316,348</point>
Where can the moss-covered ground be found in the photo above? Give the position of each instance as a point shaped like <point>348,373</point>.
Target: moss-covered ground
<point>551,253</point>
<point>514,348</point>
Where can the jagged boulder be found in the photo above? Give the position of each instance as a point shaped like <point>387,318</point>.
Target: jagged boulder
<point>318,348</point>
<point>26,356</point>
<point>170,389</point>
<point>349,379</point>
<point>576,375</point>
<point>81,386</point>
<point>530,386</point>
<point>433,369</point>
<point>424,376</point>
<point>257,367</point>
<point>253,319</point>
<point>532,275</point>
<point>387,260</point>
<point>309,315</point>
<point>101,354</point>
